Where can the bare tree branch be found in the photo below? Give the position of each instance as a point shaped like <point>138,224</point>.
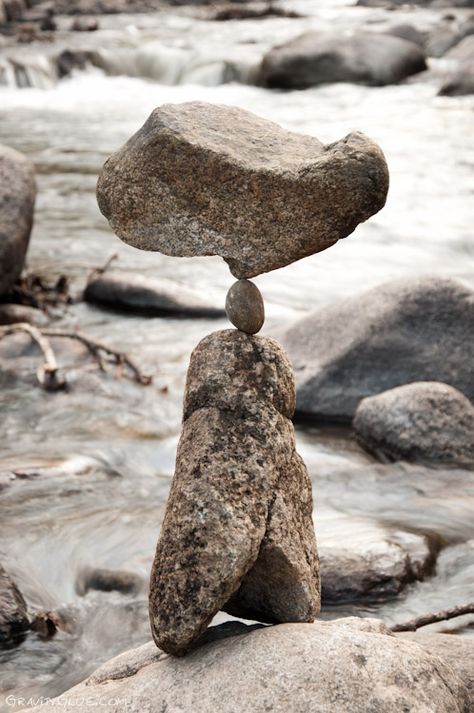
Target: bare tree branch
<point>434,617</point>
<point>48,373</point>
<point>95,348</point>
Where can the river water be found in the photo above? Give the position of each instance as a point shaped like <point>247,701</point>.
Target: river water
<point>93,465</point>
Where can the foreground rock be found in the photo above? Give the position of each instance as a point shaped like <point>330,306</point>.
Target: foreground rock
<point>237,533</point>
<point>200,179</point>
<point>17,200</point>
<point>424,421</point>
<point>155,297</point>
<point>397,333</point>
<point>350,664</point>
<point>13,613</point>
<point>318,58</point>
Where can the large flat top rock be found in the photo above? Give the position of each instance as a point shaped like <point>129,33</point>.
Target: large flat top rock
<point>201,179</point>
<point>328,667</point>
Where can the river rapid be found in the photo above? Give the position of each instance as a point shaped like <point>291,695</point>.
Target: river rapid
<point>86,473</point>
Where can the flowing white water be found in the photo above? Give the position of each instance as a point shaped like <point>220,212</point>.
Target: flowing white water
<point>104,452</point>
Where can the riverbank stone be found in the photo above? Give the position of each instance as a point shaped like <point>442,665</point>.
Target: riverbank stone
<point>349,664</point>
<point>244,307</point>
<point>424,421</point>
<point>238,533</point>
<point>325,57</point>
<point>154,297</point>
<point>204,179</point>
<point>17,201</point>
<point>418,329</point>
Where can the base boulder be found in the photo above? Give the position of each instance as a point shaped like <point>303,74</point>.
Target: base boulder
<point>350,664</point>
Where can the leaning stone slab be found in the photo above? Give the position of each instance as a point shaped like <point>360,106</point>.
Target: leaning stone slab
<point>237,533</point>
<point>201,179</point>
<point>349,664</point>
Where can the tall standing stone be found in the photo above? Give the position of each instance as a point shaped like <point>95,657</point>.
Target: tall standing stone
<point>237,533</point>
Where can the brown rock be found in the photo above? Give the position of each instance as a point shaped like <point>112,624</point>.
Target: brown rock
<point>17,200</point>
<point>200,179</point>
<point>237,533</point>
<point>317,57</point>
<point>244,307</point>
<point>13,613</point>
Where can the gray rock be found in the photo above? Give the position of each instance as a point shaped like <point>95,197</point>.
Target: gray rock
<point>237,533</point>
<point>447,36</point>
<point>13,612</point>
<point>408,32</point>
<point>423,421</point>
<point>17,200</point>
<point>201,179</point>
<point>108,580</point>
<point>145,295</point>
<point>317,58</point>
<point>460,81</point>
<point>404,331</point>
<point>373,568</point>
<point>244,307</point>
<point>349,664</point>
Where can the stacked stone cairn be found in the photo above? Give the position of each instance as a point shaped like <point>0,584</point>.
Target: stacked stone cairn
<point>200,179</point>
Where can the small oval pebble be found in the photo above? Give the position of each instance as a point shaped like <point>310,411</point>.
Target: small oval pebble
<point>244,307</point>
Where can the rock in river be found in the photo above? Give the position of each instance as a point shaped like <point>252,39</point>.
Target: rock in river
<point>424,421</point>
<point>17,201</point>
<point>349,664</point>
<point>201,179</point>
<point>407,330</point>
<point>13,613</point>
<point>146,295</point>
<point>460,81</point>
<point>244,307</point>
<point>237,533</point>
<point>318,58</point>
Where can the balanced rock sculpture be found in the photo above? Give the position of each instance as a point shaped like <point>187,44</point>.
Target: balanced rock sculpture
<point>199,179</point>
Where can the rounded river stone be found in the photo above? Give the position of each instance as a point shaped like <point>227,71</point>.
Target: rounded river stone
<point>244,307</point>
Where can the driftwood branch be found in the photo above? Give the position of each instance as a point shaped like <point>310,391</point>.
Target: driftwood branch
<point>434,617</point>
<point>48,373</point>
<point>98,350</point>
